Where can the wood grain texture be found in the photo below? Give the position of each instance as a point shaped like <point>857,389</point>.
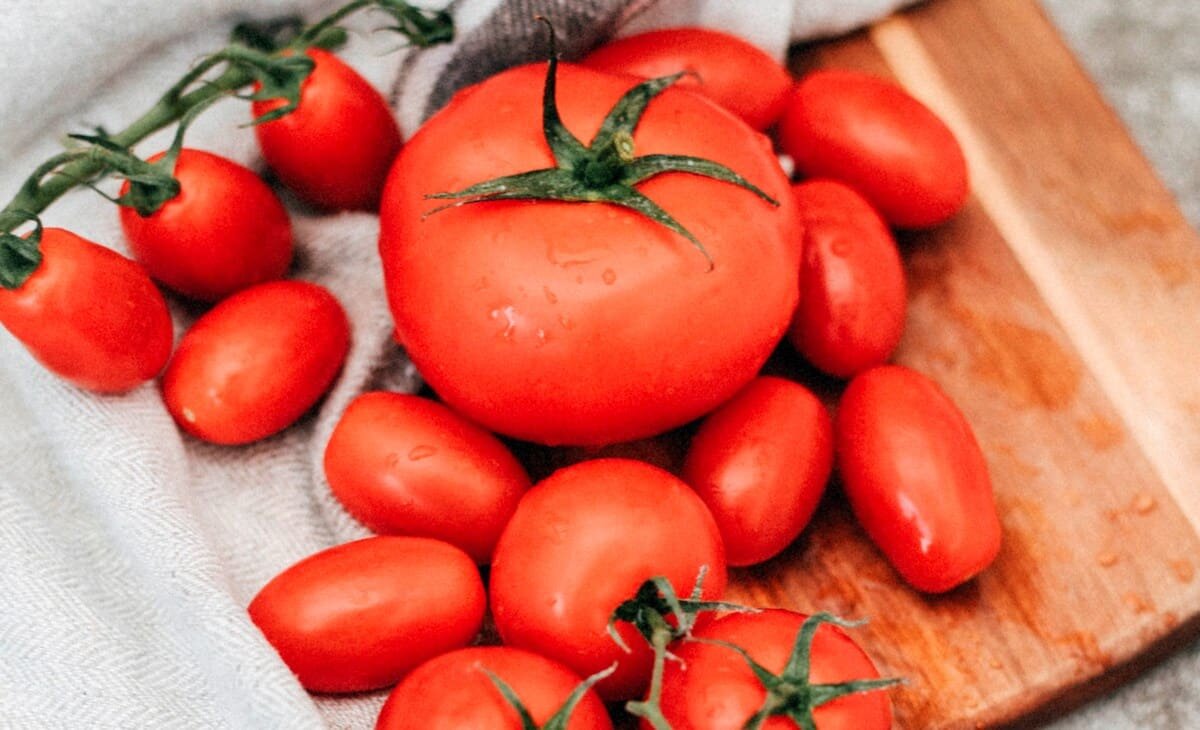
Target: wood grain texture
<point>1059,311</point>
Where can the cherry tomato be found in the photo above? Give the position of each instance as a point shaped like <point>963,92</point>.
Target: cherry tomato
<point>335,148</point>
<point>225,231</point>
<point>358,616</point>
<point>582,542</point>
<point>916,478</point>
<point>872,135</point>
<point>712,687</point>
<point>852,290</point>
<point>510,308</point>
<point>254,363</point>
<point>404,465</point>
<point>90,315</point>
<point>760,462</point>
<point>737,75</point>
<point>454,692</point>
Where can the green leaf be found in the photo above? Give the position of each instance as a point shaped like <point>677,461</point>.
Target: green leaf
<point>562,718</point>
<point>510,696</point>
<point>628,111</point>
<point>422,28</point>
<point>20,256</point>
<point>645,167</point>
<point>279,77</point>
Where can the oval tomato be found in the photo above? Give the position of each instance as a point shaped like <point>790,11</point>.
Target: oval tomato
<point>454,691</point>
<point>712,687</point>
<point>872,135</point>
<point>583,541</point>
<point>585,323</point>
<point>225,231</point>
<point>358,616</point>
<point>737,75</point>
<point>404,465</point>
<point>335,148</point>
<point>253,364</point>
<point>90,315</point>
<point>760,462</point>
<point>853,295</point>
<point>916,478</point>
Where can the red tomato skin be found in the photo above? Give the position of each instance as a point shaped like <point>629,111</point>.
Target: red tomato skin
<point>580,543</point>
<point>712,688</point>
<point>853,291</point>
<point>916,478</point>
<point>735,74</point>
<point>760,462</point>
<point>453,692</point>
<point>404,465</point>
<point>537,291</point>
<point>358,616</point>
<point>335,148</point>
<point>873,136</point>
<point>90,315</point>
<point>225,231</point>
<point>255,363</point>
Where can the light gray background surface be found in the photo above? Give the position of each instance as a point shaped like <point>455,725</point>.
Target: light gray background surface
<point>1146,59</point>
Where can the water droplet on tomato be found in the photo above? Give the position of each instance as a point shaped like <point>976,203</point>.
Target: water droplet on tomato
<point>507,315</point>
<point>189,415</point>
<point>565,321</point>
<point>550,296</point>
<point>1106,560</point>
<point>1144,504</point>
<point>609,276</point>
<point>541,335</point>
<point>841,247</point>
<point>393,460</point>
<point>424,451</point>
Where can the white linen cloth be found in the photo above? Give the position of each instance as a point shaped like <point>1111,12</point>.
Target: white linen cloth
<point>128,552</point>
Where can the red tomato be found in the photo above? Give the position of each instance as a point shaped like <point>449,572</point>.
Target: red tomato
<point>853,297</point>
<point>760,462</point>
<point>358,616</point>
<point>582,542</point>
<point>454,691</point>
<point>585,323</point>
<point>90,315</point>
<point>713,688</point>
<point>404,465</point>
<point>254,363</point>
<point>916,478</point>
<point>737,75</point>
<point>335,148</point>
<point>225,231</point>
<point>872,135</point>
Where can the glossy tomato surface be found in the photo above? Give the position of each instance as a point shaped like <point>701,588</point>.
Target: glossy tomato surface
<point>853,293</point>
<point>872,135</point>
<point>405,465</point>
<point>713,688</point>
<point>454,692</point>
<point>256,362</point>
<point>90,315</point>
<point>732,72</point>
<point>585,323</point>
<point>225,231</point>
<point>582,542</point>
<point>916,478</point>
<point>760,462</point>
<point>335,148</point>
<point>358,616</point>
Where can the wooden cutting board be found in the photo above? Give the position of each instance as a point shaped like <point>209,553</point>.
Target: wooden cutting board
<point>1060,311</point>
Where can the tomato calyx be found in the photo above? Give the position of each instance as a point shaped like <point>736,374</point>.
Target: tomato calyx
<point>648,611</point>
<point>562,717</point>
<point>791,693</point>
<point>20,256</point>
<point>603,171</point>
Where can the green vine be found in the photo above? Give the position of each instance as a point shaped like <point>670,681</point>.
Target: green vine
<point>254,57</point>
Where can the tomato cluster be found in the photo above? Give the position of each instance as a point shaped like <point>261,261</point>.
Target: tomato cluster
<point>619,260</point>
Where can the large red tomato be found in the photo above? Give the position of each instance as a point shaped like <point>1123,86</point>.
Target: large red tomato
<point>916,478</point>
<point>404,465</point>
<point>711,687</point>
<point>90,315</point>
<point>225,231</point>
<point>732,72</point>
<point>358,616</point>
<point>586,323</point>
<point>454,692</point>
<point>335,148</point>
<point>581,543</point>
